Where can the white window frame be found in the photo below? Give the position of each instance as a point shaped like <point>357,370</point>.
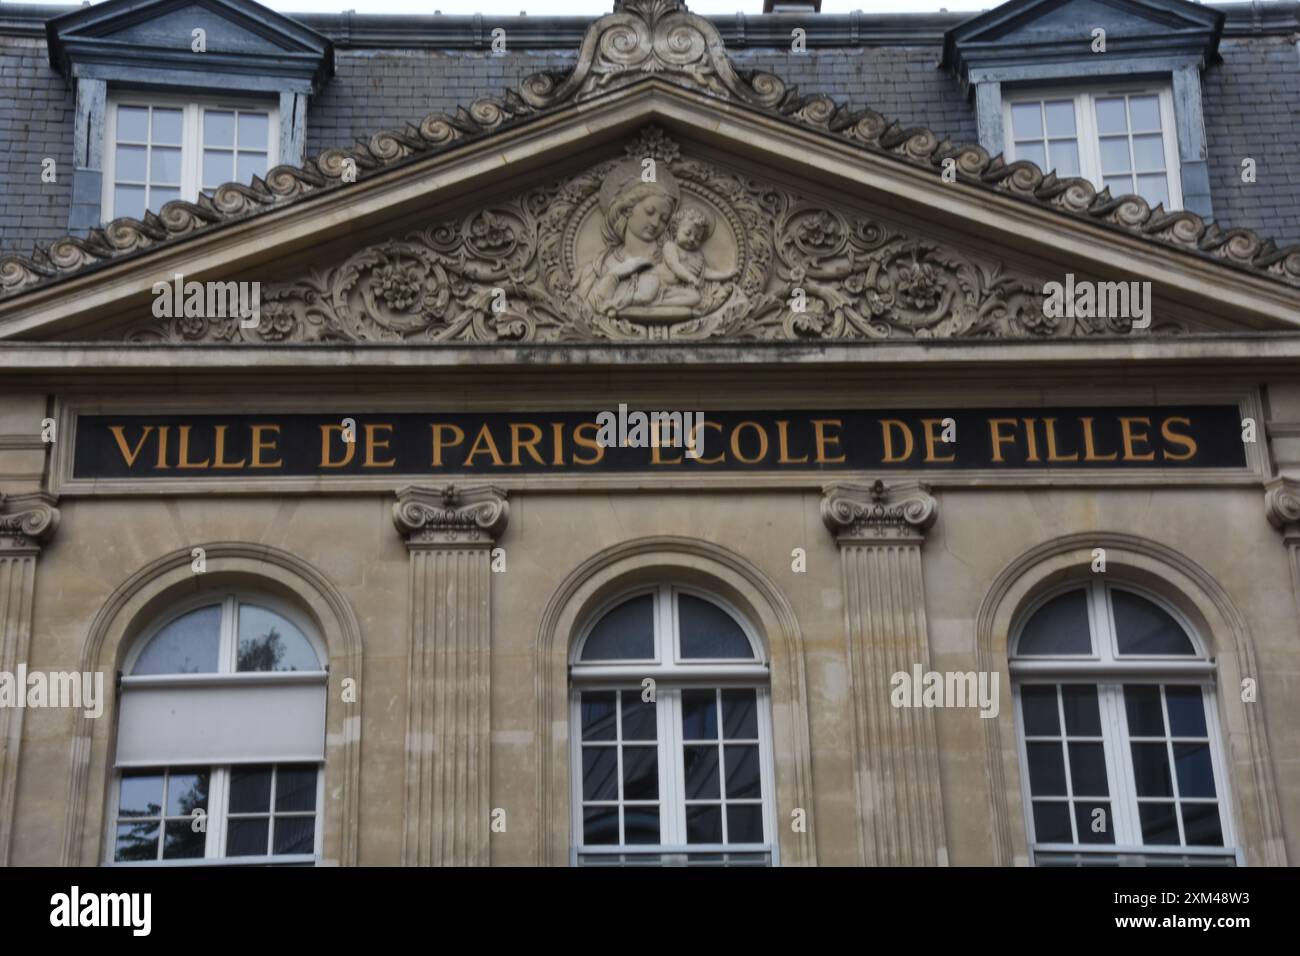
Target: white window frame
<point>672,675</point>
<point>1108,671</point>
<point>1085,126</point>
<point>192,108</point>
<point>219,775</point>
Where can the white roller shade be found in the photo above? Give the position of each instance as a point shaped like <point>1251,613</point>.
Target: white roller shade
<point>221,719</point>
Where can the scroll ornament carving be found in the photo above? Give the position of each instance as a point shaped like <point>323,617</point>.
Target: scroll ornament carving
<point>870,512</point>
<point>451,515</point>
<point>649,247</point>
<point>1282,504</point>
<point>27,521</point>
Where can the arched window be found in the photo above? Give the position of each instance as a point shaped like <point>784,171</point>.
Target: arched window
<point>1119,741</point>
<point>672,753</point>
<point>221,735</point>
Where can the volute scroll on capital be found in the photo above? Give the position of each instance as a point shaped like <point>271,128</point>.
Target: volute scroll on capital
<point>877,512</point>
<point>1282,504</point>
<point>469,515</point>
<point>27,521</point>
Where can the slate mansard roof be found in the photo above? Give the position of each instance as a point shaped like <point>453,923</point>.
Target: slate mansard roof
<point>390,71</point>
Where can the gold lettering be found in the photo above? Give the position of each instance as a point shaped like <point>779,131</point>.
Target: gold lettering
<point>697,438</point>
<point>261,444</point>
<point>1178,439</point>
<point>484,437</point>
<point>823,440</point>
<point>999,439</point>
<point>1052,456</point>
<point>930,438</point>
<point>325,460</point>
<point>762,443</point>
<point>659,428</point>
<point>219,456</point>
<point>373,445</point>
<point>439,442</point>
<point>579,439</point>
<point>557,452</point>
<point>886,430</point>
<point>1130,438</point>
<point>530,446</point>
<point>163,431</point>
<point>129,456</point>
<point>1031,439</point>
<point>183,456</point>
<point>783,445</point>
<point>1089,446</point>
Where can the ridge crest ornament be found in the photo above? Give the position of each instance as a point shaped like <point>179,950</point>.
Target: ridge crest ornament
<point>695,252</point>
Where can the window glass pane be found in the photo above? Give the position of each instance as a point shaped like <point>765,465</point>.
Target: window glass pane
<point>1151,770</point>
<point>1143,628</point>
<point>1154,189</point>
<point>128,201</point>
<point>250,165</point>
<point>1118,185</point>
<point>1058,627</point>
<point>1046,769</point>
<point>740,714</point>
<point>1145,718</point>
<point>1088,770</point>
<point>160,197</point>
<point>1149,152</point>
<point>1144,113</point>
<point>246,837</point>
<point>1094,827</point>
<point>641,825</point>
<point>164,166</point>
<point>1052,822</point>
<point>183,842</point>
<point>1186,711</point>
<point>704,824</point>
<point>1082,718</point>
<point>1033,152</point>
<point>186,792</point>
<point>295,788</point>
<point>187,645</point>
<point>253,130</point>
<point>1060,117</point>
<point>132,124</point>
<point>136,841</point>
<point>744,823</point>
<point>167,127</point>
<point>271,642</point>
<point>250,789</point>
<point>131,164</point>
<point>1065,157</point>
<point>1110,115</point>
<point>599,773</point>
<point>600,825</point>
<point>598,720</point>
<point>640,773</point>
<point>742,772</point>
<point>1195,775</point>
<point>295,835</point>
<point>699,715</point>
<point>218,168</point>
<point>1201,824</point>
<point>707,631</point>
<point>701,769</point>
<point>638,717</point>
<point>1038,708</point>
<point>1027,120</point>
<point>218,128</point>
<point>624,634</point>
<point>1159,824</point>
<point>1114,155</point>
<point>140,794</point>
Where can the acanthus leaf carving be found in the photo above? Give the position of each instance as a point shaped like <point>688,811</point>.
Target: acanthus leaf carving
<point>857,513</point>
<point>27,521</point>
<point>471,515</point>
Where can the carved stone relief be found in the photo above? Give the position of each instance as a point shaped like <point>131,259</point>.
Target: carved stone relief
<point>652,246</point>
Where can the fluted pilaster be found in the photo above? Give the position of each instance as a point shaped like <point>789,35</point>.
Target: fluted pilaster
<point>896,756</point>
<point>449,534</point>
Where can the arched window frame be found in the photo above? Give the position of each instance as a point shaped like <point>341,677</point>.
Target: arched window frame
<point>672,674</point>
<point>220,774</point>
<point>1109,671</point>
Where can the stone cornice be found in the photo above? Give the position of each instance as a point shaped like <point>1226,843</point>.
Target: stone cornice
<point>27,521</point>
<point>469,515</point>
<point>857,513</point>
<point>1282,504</point>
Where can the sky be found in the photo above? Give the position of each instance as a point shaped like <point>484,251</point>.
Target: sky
<point>595,7</point>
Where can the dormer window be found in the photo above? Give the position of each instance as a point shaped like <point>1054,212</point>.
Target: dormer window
<point>163,148</point>
<point>1121,138</point>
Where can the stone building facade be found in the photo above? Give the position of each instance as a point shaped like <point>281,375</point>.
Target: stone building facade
<point>963,528</point>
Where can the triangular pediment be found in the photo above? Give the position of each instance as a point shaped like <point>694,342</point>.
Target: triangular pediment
<point>816,222</point>
<point>1027,21</point>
